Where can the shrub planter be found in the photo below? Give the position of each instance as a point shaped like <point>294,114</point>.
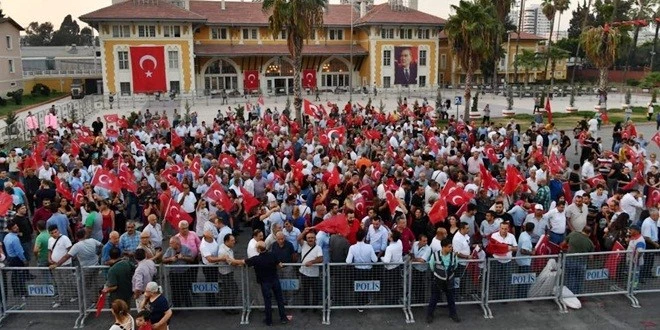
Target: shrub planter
<point>571,109</point>
<point>475,115</point>
<point>508,113</point>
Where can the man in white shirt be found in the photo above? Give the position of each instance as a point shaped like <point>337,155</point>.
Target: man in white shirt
<point>208,249</point>
<point>46,172</point>
<point>540,223</point>
<point>576,213</point>
<point>393,260</point>
<point>155,231</point>
<point>377,236</point>
<point>557,223</point>
<point>257,236</point>
<point>588,170</point>
<point>630,203</point>
<point>599,196</point>
<point>525,248</point>
<point>436,242</point>
<point>312,257</point>
<point>188,201</point>
<point>58,247</point>
<point>649,231</point>
<point>502,268</point>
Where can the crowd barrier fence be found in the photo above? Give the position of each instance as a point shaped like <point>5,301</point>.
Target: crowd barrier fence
<point>341,286</point>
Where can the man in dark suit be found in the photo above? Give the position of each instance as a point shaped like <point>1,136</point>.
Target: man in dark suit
<point>405,72</point>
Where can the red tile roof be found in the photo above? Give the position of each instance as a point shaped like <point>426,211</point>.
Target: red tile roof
<point>384,14</point>
<point>241,50</point>
<point>514,36</point>
<point>250,13</point>
<point>160,10</point>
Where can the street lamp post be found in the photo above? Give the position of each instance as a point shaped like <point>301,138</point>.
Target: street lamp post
<point>350,70</point>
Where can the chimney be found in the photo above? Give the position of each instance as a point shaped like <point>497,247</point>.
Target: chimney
<point>222,4</point>
<point>363,8</point>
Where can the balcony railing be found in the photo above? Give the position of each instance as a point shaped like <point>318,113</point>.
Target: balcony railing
<point>62,73</point>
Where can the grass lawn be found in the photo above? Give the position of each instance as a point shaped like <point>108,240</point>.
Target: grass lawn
<point>28,100</point>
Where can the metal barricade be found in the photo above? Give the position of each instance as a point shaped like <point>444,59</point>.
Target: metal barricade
<point>30,290</point>
<point>93,280</point>
<point>368,286</point>
<point>470,282</point>
<point>647,272</point>
<point>299,291</point>
<point>598,274</point>
<point>523,279</point>
<point>203,287</point>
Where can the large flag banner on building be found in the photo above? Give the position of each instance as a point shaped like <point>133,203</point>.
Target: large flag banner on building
<point>251,80</point>
<point>148,67</point>
<point>309,78</point>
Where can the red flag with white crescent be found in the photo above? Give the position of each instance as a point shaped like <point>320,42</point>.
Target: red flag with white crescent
<point>309,78</point>
<point>148,69</point>
<point>438,212</point>
<point>174,214</point>
<point>218,194</point>
<point>63,189</point>
<point>251,80</point>
<point>249,201</point>
<point>107,180</point>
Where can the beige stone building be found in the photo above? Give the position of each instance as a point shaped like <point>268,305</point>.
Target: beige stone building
<point>11,68</point>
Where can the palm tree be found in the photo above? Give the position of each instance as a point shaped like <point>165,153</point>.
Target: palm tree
<point>644,11</point>
<point>470,32</point>
<point>554,54</point>
<point>549,11</point>
<point>502,10</point>
<point>656,21</point>
<point>299,18</point>
<point>519,31</point>
<point>600,45</point>
<point>528,60</point>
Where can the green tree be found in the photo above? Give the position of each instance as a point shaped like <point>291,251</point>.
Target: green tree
<point>645,11</point>
<point>69,33</point>
<point>553,55</point>
<point>299,18</point>
<point>501,9</point>
<point>600,46</point>
<point>655,38</point>
<point>528,60</point>
<point>39,34</point>
<point>470,32</point>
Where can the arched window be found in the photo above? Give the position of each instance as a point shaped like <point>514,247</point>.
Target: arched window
<point>220,75</point>
<point>335,73</point>
<point>279,68</point>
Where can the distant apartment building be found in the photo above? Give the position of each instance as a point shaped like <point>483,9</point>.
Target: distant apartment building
<point>11,70</point>
<point>534,22</point>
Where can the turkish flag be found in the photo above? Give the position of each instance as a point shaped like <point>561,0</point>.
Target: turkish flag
<point>333,177</point>
<point>487,179</point>
<point>174,169</point>
<point>138,143</point>
<point>489,150</point>
<point>75,148</point>
<point>250,165</point>
<point>513,180</point>
<point>128,180</point>
<point>653,197</point>
<point>211,174</point>
<point>196,165</point>
<point>543,248</point>
<point>373,134</point>
<point>148,66</point>
<point>336,133</point>
<point>554,165</point>
<point>112,133</point>
<point>312,109</point>
<point>656,138</point>
<point>612,261</point>
<point>438,212</point>
<point>6,202</point>
<point>100,303</point>
<point>568,194</point>
<point>309,78</point>
<point>176,140</point>
<point>174,181</point>
<point>251,80</point>
<point>111,118</point>
<point>62,189</point>
<point>392,201</point>
<point>175,214</point>
<point>123,123</point>
<point>227,160</point>
<point>596,180</point>
<point>249,201</point>
<point>218,194</point>
<point>164,123</point>
<point>334,225</point>
<point>78,199</point>
<point>105,179</point>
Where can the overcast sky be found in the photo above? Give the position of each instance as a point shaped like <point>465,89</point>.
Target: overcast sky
<point>26,11</point>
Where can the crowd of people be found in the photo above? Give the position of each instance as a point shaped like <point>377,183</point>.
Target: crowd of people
<point>349,185</point>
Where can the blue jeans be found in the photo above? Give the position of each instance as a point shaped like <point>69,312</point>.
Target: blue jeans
<point>575,272</point>
<point>267,290</point>
<point>523,289</point>
<point>556,238</point>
